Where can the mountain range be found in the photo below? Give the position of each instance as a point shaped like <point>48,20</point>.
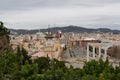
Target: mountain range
<point>70,28</point>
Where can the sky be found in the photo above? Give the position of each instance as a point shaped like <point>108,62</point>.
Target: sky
<point>37,14</point>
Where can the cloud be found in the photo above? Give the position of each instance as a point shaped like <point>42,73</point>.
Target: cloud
<point>32,14</point>
<point>26,4</point>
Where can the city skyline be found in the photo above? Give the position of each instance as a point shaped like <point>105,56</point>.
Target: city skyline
<point>29,14</point>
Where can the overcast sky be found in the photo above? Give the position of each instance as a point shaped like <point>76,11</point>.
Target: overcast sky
<point>36,14</point>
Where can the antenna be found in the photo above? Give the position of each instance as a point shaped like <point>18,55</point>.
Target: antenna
<point>54,25</point>
<point>49,29</point>
<point>39,30</point>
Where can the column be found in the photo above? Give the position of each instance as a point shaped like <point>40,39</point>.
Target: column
<point>71,44</point>
<point>105,54</point>
<point>99,53</point>
<point>93,52</point>
<point>87,53</point>
<point>80,44</point>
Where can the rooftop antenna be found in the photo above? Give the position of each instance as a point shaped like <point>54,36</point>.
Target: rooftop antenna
<point>39,30</point>
<point>49,32</point>
<point>54,25</point>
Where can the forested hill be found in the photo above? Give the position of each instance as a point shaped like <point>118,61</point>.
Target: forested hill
<point>67,29</point>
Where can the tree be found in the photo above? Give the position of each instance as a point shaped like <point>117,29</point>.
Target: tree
<point>43,64</point>
<point>89,77</point>
<point>4,38</point>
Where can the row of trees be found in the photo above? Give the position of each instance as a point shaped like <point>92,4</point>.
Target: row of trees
<point>19,66</point>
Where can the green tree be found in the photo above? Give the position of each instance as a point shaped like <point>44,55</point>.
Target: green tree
<point>89,77</point>
<point>4,38</point>
<point>43,64</point>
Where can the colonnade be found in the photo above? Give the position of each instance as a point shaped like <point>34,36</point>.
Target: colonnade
<point>94,54</point>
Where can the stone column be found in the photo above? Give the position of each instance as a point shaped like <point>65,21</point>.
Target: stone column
<point>80,44</point>
<point>105,53</point>
<point>99,53</point>
<point>87,53</point>
<point>93,52</point>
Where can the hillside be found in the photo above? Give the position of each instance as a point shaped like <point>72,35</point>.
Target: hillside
<point>75,29</point>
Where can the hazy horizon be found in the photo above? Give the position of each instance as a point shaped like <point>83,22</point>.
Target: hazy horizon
<point>37,14</point>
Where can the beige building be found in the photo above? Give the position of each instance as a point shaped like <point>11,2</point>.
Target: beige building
<point>48,46</point>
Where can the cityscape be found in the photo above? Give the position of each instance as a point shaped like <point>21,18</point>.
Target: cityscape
<point>80,42</point>
<point>72,47</point>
